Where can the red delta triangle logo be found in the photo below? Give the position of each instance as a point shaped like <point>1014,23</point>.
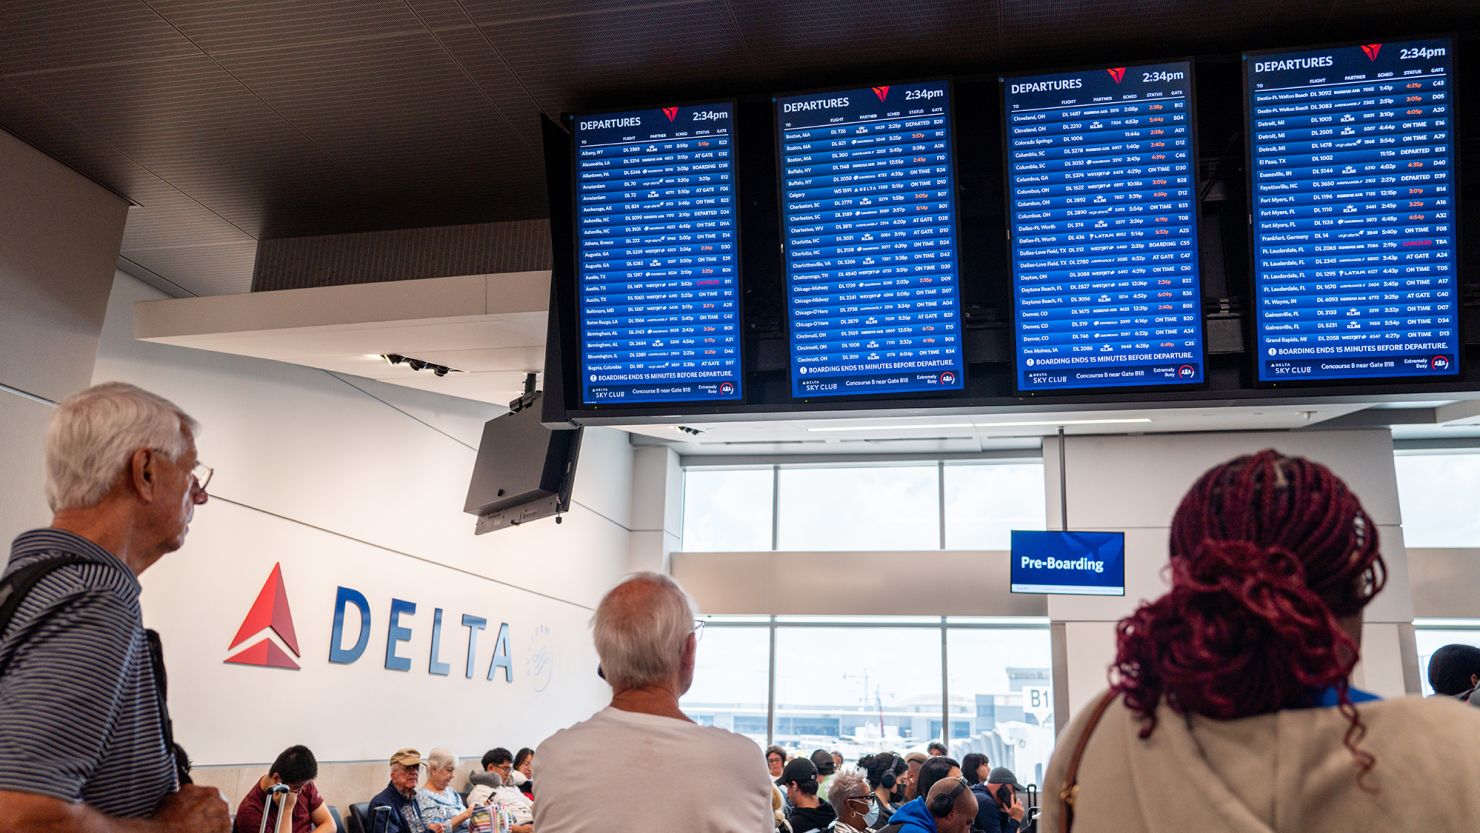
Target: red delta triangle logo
<point>269,613</point>
<point>670,112</point>
<point>1371,50</point>
<point>881,92</point>
<point>1118,73</point>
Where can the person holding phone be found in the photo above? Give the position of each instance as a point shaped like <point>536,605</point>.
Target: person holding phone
<point>1005,812</point>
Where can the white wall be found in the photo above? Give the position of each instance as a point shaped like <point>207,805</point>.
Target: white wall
<point>345,482</point>
<point>59,238</point>
<point>1134,483</point>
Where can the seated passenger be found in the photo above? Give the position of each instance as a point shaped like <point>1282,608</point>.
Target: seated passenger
<point>438,801</point>
<point>914,760</point>
<point>295,768</point>
<point>886,773</point>
<point>948,806</point>
<point>807,812</point>
<point>396,804</point>
<point>1001,811</point>
<point>523,773</point>
<point>851,799</point>
<point>489,787</point>
<point>1231,706</point>
<point>1454,671</point>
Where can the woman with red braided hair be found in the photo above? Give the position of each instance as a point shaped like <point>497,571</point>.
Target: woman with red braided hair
<point>1230,707</point>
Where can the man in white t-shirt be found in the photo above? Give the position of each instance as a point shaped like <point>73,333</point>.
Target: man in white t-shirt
<point>646,638</point>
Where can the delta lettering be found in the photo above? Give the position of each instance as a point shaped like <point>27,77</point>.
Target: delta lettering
<point>398,634</point>
<point>1081,564</point>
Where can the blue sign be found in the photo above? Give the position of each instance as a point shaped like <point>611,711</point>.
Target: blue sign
<point>1354,202</point>
<point>1102,205</point>
<point>869,223</point>
<point>658,255</point>
<point>1074,563</point>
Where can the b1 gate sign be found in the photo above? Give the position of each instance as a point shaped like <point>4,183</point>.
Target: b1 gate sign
<point>657,255</point>
<point>869,220</point>
<point>1102,202</point>
<point>1354,203</point>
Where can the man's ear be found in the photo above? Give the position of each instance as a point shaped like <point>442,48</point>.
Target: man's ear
<point>143,473</point>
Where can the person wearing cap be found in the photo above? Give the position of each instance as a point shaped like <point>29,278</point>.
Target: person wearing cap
<point>826,769</point>
<point>808,812</point>
<point>397,802</point>
<point>1002,812</point>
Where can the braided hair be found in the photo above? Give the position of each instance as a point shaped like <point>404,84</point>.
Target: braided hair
<point>1268,554</point>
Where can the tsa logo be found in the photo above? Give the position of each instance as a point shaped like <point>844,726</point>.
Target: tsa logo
<point>269,616</point>
<point>1118,73</point>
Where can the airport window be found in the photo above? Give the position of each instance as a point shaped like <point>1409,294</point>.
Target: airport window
<point>1000,681</point>
<point>1434,495</point>
<point>861,685</point>
<point>727,510</point>
<point>928,505</point>
<point>984,502</point>
<point>1431,637</point>
<point>859,508</point>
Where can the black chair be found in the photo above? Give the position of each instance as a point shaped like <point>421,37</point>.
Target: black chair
<point>338,821</point>
<point>359,817</point>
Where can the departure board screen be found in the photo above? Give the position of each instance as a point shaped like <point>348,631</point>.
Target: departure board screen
<point>1354,200</point>
<point>869,223</point>
<point>1102,206</point>
<point>657,255</point>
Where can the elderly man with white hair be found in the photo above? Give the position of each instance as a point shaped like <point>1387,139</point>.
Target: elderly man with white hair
<point>646,639</point>
<point>438,801</point>
<point>83,723</point>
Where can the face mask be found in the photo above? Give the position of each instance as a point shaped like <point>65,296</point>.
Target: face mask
<point>871,818</point>
<point>897,797</point>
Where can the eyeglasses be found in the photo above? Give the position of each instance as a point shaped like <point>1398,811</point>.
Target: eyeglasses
<point>698,629</point>
<point>202,474</point>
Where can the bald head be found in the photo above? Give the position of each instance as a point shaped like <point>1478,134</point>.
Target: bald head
<point>952,804</point>
<point>642,628</point>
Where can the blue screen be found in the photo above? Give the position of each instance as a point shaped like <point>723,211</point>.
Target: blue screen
<point>1074,563</point>
<point>657,255</point>
<point>1354,201</point>
<point>1102,208</point>
<point>869,221</point>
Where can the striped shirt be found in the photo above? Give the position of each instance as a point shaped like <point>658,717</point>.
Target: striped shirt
<point>79,718</point>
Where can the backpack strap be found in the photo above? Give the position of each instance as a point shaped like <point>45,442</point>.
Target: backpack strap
<point>1069,793</point>
<point>15,587</point>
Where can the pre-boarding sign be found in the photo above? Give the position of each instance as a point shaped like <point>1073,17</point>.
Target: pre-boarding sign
<point>657,255</point>
<point>1354,202</point>
<point>1101,179</point>
<point>868,207</point>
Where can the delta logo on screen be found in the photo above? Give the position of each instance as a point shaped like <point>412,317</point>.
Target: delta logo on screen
<point>882,92</point>
<point>670,112</point>
<point>1118,73</point>
<point>1371,50</point>
<point>270,615</point>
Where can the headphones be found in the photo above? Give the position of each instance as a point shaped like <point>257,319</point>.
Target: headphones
<point>889,779</point>
<point>942,805</point>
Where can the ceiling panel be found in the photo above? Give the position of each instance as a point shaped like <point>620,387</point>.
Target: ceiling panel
<point>569,63</point>
<point>837,38</point>
<point>218,27</point>
<point>48,35</point>
<point>207,269</point>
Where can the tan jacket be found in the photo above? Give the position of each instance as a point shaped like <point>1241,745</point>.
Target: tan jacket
<point>1286,772</point>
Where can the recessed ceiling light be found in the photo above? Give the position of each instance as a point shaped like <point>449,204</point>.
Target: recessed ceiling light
<point>1057,422</point>
<point>927,427</point>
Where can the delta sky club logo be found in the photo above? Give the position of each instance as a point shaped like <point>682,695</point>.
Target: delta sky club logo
<point>1118,73</point>
<point>270,615</point>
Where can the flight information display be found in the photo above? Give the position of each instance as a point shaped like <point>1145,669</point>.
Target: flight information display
<point>1354,201</point>
<point>869,222</point>
<point>657,255</point>
<point>1102,207</point>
